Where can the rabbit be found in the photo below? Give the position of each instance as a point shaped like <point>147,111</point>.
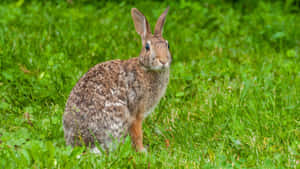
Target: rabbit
<point>112,99</point>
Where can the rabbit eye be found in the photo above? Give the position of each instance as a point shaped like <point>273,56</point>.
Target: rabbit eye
<point>147,46</point>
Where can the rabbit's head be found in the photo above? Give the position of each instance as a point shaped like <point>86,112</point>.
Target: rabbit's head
<point>155,54</point>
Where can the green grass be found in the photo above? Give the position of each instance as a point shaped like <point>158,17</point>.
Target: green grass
<point>232,101</point>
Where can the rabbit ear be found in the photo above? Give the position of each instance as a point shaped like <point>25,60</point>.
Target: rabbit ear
<point>140,22</point>
<point>160,23</point>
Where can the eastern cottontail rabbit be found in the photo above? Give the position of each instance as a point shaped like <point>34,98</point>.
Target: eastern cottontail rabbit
<point>114,97</point>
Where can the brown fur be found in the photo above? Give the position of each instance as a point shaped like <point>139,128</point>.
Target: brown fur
<point>114,97</point>
<point>136,134</point>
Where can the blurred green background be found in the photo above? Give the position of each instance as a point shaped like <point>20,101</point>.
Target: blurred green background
<point>232,101</point>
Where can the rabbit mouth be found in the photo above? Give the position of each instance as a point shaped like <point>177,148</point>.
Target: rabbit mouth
<point>155,66</point>
<point>161,67</point>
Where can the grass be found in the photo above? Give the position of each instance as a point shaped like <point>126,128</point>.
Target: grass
<point>232,101</point>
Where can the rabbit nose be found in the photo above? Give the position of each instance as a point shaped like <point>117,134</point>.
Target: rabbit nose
<point>163,61</point>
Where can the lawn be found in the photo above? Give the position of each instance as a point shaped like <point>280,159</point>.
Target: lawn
<point>233,99</point>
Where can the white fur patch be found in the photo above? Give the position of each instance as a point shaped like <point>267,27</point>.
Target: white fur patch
<point>110,104</point>
<point>112,91</point>
<point>115,126</point>
<point>118,103</point>
<point>95,150</point>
